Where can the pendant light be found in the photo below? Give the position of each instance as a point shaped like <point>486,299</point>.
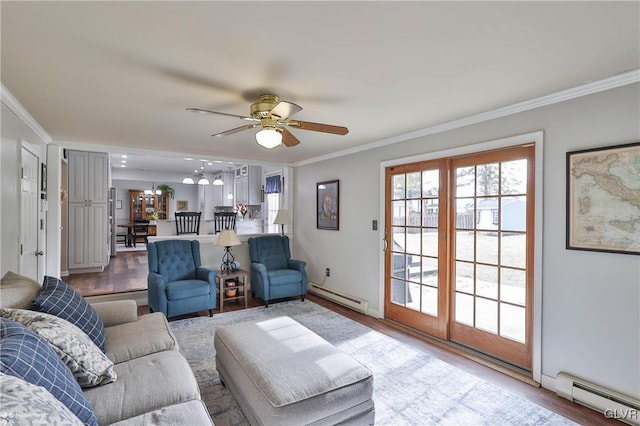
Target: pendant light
<point>153,190</point>
<point>203,179</point>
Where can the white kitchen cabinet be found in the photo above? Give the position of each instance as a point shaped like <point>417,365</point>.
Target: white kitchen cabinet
<point>221,192</point>
<point>212,197</point>
<point>87,237</point>
<point>88,177</point>
<point>248,185</point>
<point>88,189</point>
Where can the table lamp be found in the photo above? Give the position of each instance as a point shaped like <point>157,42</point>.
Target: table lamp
<point>227,239</point>
<point>282,219</point>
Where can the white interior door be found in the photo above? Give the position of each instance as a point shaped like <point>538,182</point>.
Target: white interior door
<point>30,253</point>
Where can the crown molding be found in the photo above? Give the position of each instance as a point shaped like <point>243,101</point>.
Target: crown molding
<point>14,105</point>
<point>619,80</point>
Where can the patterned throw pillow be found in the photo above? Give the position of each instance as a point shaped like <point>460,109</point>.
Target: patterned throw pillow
<point>89,365</point>
<point>22,403</point>
<point>60,299</point>
<point>28,356</point>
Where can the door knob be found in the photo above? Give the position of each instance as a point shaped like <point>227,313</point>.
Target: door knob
<point>39,253</point>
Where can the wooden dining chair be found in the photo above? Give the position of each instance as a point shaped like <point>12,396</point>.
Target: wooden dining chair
<point>224,220</point>
<point>140,231</point>
<point>188,223</point>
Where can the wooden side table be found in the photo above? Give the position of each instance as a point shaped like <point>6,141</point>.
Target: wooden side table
<point>241,288</point>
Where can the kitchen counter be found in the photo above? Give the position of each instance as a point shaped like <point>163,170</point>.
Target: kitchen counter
<point>243,227</point>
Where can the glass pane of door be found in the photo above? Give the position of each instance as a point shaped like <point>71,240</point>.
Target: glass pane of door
<point>491,265</point>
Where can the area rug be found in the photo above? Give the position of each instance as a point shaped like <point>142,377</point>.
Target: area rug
<point>410,387</point>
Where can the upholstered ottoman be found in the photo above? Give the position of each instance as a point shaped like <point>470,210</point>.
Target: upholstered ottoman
<point>281,373</point>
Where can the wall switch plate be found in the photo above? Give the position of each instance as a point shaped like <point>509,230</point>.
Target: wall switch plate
<point>328,272</point>
<point>374,225</point>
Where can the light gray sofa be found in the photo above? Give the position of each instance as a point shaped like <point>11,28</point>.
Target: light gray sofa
<point>154,386</point>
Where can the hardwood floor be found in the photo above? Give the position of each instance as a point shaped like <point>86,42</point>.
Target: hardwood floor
<point>128,272</point>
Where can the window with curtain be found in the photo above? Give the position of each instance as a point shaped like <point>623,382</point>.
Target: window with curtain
<point>273,185</point>
<point>272,190</point>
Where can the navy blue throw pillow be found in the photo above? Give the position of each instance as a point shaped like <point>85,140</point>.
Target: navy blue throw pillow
<point>28,356</point>
<point>60,299</point>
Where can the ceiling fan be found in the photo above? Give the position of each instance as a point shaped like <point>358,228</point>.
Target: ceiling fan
<point>273,115</point>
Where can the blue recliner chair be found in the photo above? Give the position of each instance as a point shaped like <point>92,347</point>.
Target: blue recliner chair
<point>273,273</point>
<point>177,283</point>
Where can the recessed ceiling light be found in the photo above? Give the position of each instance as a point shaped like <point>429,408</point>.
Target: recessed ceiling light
<point>188,159</point>
<point>122,165</point>
<point>123,161</point>
<point>124,156</point>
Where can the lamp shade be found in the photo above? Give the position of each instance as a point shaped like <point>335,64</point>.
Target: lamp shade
<point>203,181</point>
<point>269,138</point>
<point>217,182</point>
<point>282,218</point>
<point>188,180</point>
<point>228,238</point>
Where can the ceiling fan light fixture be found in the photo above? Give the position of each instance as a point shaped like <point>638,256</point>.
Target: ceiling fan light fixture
<point>269,138</point>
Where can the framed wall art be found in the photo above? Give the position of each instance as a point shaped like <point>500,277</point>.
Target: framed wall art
<point>328,205</point>
<point>182,205</point>
<point>603,199</point>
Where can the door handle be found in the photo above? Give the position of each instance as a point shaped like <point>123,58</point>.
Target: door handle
<point>39,253</point>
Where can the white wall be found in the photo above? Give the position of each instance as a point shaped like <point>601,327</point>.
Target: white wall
<point>590,314</point>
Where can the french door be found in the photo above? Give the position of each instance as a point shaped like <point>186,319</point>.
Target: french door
<point>459,250</point>
<point>416,246</point>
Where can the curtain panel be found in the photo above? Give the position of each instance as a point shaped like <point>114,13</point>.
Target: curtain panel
<point>273,185</point>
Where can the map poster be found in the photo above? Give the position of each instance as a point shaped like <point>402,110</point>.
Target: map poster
<point>603,199</point>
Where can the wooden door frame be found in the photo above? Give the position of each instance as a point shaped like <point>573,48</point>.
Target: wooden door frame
<point>475,147</point>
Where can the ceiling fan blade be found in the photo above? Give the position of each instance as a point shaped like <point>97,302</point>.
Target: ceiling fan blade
<point>222,113</point>
<point>318,127</point>
<point>236,130</point>
<point>288,139</point>
<point>284,110</point>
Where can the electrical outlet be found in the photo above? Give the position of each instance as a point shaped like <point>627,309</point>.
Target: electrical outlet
<point>328,272</point>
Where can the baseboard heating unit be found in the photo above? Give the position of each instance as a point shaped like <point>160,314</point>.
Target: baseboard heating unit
<point>339,297</point>
<point>611,403</point>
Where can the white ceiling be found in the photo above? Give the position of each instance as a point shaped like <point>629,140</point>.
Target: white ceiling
<point>121,74</point>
